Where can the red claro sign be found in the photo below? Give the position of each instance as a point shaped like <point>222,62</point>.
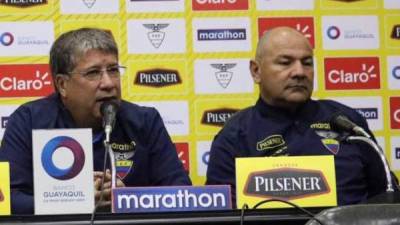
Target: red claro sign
<point>352,73</point>
<point>25,80</point>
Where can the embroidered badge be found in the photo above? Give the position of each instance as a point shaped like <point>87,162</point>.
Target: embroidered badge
<point>331,144</point>
<point>123,167</point>
<point>273,144</point>
<point>123,154</point>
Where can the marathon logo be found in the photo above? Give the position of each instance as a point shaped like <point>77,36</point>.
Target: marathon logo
<point>368,113</point>
<point>396,32</point>
<point>287,183</point>
<point>221,34</point>
<point>397,153</point>
<point>4,120</point>
<point>157,78</point>
<point>217,117</point>
<point>171,198</point>
<point>22,3</point>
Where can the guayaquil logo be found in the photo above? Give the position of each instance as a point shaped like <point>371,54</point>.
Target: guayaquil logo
<point>157,77</point>
<point>287,183</point>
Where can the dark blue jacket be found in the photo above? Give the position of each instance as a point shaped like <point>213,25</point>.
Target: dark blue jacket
<point>139,137</point>
<point>359,171</point>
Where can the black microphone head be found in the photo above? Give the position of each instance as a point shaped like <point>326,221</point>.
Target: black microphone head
<point>340,122</point>
<point>108,110</point>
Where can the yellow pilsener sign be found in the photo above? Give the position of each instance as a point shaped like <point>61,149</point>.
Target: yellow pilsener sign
<point>5,189</point>
<point>308,181</point>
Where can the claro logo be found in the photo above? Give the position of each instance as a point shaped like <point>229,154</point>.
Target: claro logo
<point>220,5</point>
<point>352,73</point>
<point>395,112</point>
<point>25,80</point>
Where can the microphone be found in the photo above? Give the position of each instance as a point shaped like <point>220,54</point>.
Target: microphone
<point>340,122</point>
<point>108,110</point>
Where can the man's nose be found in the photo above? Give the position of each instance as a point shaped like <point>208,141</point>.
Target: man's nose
<point>298,69</point>
<point>107,81</point>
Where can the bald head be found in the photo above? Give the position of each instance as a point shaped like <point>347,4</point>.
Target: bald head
<point>279,36</point>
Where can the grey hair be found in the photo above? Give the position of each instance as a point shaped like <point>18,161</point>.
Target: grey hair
<point>71,45</point>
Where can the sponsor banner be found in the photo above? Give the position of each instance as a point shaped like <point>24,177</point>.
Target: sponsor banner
<point>158,77</point>
<point>221,34</point>
<point>304,25</point>
<point>315,83</point>
<point>352,73</point>
<point>156,36</point>
<point>392,31</point>
<point>5,112</point>
<point>209,5</point>
<point>88,7</point>
<point>349,4</point>
<point>171,199</point>
<point>308,181</point>
<point>182,149</point>
<point>392,4</point>
<point>63,171</point>
<point>211,115</point>
<point>394,112</point>
<point>350,32</point>
<point>26,38</point>
<point>5,204</point>
<point>25,80</point>
<point>155,5</point>
<point>222,76</point>
<point>368,107</point>
<point>8,7</point>
<point>112,26</point>
<point>395,152</point>
<point>393,72</point>
<point>203,156</point>
<point>175,115</point>
<point>285,5</point>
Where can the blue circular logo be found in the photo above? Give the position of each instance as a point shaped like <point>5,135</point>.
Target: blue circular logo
<point>47,158</point>
<point>6,38</point>
<point>333,32</point>
<point>206,157</point>
<point>396,72</point>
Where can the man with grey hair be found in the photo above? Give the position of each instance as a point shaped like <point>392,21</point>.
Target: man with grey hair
<point>286,121</point>
<point>86,73</point>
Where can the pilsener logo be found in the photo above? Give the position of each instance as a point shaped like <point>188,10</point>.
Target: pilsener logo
<point>157,77</point>
<point>352,73</point>
<point>22,4</point>
<point>25,80</point>
<point>286,183</point>
<point>395,112</point>
<point>217,117</point>
<point>220,5</point>
<point>396,32</point>
<point>67,143</point>
<point>368,113</point>
<point>221,34</point>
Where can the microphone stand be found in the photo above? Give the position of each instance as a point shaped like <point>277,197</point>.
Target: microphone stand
<point>389,187</point>
<point>108,148</point>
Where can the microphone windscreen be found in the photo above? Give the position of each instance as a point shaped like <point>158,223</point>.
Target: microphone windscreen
<point>108,107</point>
<point>340,122</point>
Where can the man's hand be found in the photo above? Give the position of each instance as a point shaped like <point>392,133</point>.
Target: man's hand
<point>106,193</point>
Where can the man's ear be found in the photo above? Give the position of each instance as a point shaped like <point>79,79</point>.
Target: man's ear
<point>61,82</point>
<point>255,71</point>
